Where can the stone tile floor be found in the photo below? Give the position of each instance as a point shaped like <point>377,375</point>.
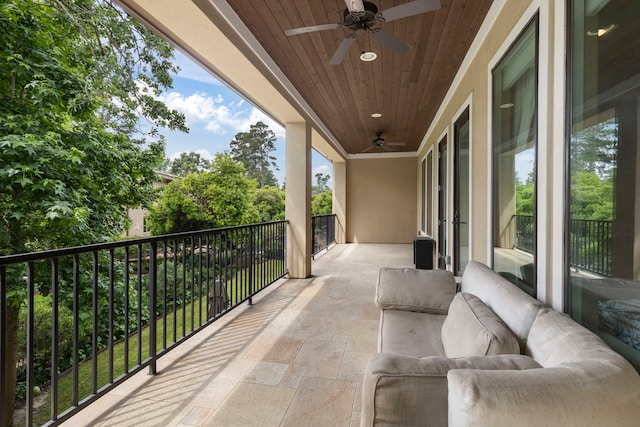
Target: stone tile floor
<point>293,358</point>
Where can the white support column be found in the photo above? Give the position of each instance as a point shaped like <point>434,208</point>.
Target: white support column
<point>340,200</point>
<point>298,199</point>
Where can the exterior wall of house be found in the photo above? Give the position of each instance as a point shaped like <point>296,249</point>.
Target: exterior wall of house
<point>380,205</point>
<point>137,215</point>
<point>472,87</point>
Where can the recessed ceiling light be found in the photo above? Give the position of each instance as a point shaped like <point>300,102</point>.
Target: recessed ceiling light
<point>368,56</point>
<point>376,115</point>
<point>507,105</point>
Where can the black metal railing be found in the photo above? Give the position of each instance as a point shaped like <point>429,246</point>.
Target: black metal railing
<point>94,315</point>
<point>589,242</point>
<point>590,245</point>
<point>323,232</point>
<point>524,233</point>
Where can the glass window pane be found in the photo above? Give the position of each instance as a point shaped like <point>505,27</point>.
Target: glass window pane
<point>604,172</point>
<point>429,186</point>
<point>462,193</point>
<point>514,161</point>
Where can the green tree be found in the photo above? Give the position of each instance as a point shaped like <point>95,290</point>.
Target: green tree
<point>591,197</point>
<point>594,149</point>
<point>269,201</point>
<point>253,149</point>
<point>74,78</point>
<point>525,202</point>
<point>322,181</point>
<point>188,163</point>
<point>321,203</point>
<point>220,197</point>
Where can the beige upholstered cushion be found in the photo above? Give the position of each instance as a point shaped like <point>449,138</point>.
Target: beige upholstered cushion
<point>472,329</point>
<point>556,339</point>
<point>426,291</point>
<point>410,334</point>
<point>583,383</point>
<point>516,308</point>
<point>580,394</point>
<point>410,391</point>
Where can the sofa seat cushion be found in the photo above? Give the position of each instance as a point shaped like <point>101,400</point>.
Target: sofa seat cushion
<point>472,329</point>
<point>425,291</point>
<point>407,391</point>
<point>410,334</point>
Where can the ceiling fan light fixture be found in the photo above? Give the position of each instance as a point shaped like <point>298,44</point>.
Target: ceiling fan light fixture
<point>368,56</point>
<point>376,115</point>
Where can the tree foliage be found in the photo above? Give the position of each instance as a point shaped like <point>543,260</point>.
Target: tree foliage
<point>593,165</point>
<point>591,197</point>
<point>270,203</point>
<point>594,149</point>
<point>321,203</point>
<point>188,163</point>
<point>75,78</point>
<point>220,197</point>
<point>322,181</point>
<point>253,149</point>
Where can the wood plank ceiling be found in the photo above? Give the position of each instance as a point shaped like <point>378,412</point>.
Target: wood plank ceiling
<point>407,89</point>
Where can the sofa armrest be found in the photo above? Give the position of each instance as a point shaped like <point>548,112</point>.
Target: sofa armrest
<point>586,393</point>
<point>399,390</point>
<point>408,289</point>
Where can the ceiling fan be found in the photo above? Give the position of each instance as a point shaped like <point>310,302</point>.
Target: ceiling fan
<point>362,16</point>
<point>380,143</point>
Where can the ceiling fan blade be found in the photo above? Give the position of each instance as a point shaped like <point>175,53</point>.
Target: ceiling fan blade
<point>396,144</point>
<point>366,150</point>
<point>312,28</point>
<point>389,40</point>
<point>409,9</point>
<point>354,5</point>
<point>342,50</point>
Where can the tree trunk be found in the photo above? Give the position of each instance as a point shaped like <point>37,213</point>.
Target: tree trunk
<point>9,382</point>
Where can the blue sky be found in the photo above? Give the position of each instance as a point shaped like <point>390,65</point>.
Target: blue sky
<point>215,114</point>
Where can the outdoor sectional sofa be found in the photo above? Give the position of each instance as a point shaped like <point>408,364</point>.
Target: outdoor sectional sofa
<point>488,354</point>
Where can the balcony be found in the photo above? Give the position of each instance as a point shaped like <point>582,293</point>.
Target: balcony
<point>294,357</point>
<point>209,330</point>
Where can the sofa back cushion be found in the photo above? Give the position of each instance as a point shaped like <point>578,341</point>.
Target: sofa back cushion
<point>409,289</point>
<point>516,308</point>
<point>472,329</point>
<point>556,340</point>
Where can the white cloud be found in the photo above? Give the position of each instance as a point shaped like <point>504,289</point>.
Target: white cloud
<point>216,116</point>
<point>258,116</point>
<point>202,108</point>
<point>325,170</point>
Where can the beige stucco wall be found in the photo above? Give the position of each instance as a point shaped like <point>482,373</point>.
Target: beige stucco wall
<point>473,88</point>
<point>381,200</point>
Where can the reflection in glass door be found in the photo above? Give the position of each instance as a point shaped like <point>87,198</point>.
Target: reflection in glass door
<point>514,161</point>
<point>602,238</point>
<point>442,204</point>
<point>461,194</point>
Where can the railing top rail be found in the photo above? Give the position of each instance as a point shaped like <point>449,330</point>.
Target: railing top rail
<point>609,221</point>
<point>54,253</point>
